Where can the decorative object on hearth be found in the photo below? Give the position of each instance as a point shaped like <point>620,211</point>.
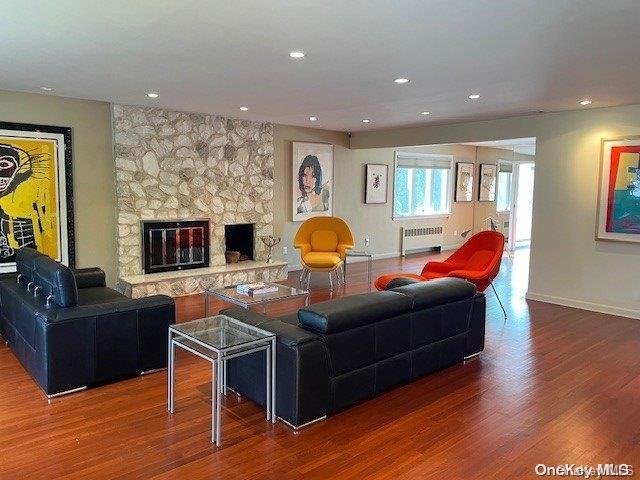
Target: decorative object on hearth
<point>36,192</point>
<point>270,241</point>
<point>487,187</point>
<point>232,256</point>
<point>619,190</point>
<point>464,182</point>
<point>312,167</point>
<point>376,183</point>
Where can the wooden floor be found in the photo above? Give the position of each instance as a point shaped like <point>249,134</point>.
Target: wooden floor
<point>555,385</point>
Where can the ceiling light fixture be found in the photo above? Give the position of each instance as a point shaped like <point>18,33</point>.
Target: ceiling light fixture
<point>152,95</point>
<point>366,120</point>
<point>244,109</point>
<point>296,54</point>
<point>585,102</point>
<point>46,89</point>
<point>313,119</point>
<point>474,96</point>
<point>401,80</point>
<point>425,113</point>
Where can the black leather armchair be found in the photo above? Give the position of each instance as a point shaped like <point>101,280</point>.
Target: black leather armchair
<point>335,354</point>
<point>70,331</point>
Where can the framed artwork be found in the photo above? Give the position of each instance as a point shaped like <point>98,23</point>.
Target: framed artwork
<point>487,184</point>
<point>312,180</point>
<point>36,192</point>
<point>619,191</point>
<point>464,182</point>
<point>376,183</point>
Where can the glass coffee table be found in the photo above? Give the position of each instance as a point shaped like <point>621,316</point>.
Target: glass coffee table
<point>218,339</point>
<point>230,295</point>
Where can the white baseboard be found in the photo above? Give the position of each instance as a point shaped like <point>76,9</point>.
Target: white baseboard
<point>593,307</point>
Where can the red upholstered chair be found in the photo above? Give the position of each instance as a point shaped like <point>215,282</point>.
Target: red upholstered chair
<point>477,261</point>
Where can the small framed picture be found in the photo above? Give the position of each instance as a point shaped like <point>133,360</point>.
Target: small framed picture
<point>487,184</point>
<point>376,183</point>
<point>464,182</point>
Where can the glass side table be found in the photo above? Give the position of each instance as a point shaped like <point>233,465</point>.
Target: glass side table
<point>218,339</point>
<point>356,253</point>
<point>230,295</point>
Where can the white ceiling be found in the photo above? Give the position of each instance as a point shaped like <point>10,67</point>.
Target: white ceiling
<point>214,56</point>
<point>526,146</point>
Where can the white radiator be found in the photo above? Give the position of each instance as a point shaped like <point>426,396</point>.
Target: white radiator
<point>414,238</point>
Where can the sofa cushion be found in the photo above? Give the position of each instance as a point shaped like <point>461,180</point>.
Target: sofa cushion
<point>57,280</point>
<point>324,241</point>
<point>437,292</point>
<point>321,259</point>
<point>354,311</point>
<point>98,295</point>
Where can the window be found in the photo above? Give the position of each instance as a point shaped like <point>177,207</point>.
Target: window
<point>422,185</point>
<point>505,176</point>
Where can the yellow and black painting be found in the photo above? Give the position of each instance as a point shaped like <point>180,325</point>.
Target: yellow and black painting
<point>29,203</point>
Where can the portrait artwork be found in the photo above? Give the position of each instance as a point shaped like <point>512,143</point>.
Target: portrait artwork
<point>312,168</point>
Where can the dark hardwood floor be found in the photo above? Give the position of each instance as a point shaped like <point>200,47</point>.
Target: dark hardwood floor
<point>555,385</point>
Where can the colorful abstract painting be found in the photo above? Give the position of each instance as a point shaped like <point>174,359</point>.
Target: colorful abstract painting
<point>619,199</point>
<point>35,186</point>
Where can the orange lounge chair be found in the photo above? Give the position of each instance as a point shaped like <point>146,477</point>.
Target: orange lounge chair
<point>477,261</point>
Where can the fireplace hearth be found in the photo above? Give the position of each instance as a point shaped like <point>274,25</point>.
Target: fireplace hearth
<point>174,245</point>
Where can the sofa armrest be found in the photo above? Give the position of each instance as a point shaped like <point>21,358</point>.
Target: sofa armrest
<point>90,344</point>
<point>89,277</point>
<point>476,329</point>
<point>302,370</point>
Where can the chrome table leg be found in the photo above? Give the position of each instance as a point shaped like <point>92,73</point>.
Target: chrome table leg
<point>273,380</point>
<point>171,374</point>
<point>268,381</point>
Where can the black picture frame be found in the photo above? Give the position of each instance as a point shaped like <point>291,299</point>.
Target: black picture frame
<point>482,167</point>
<point>457,199</point>
<point>66,133</point>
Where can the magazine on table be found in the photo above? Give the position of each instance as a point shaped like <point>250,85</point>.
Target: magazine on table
<point>252,289</point>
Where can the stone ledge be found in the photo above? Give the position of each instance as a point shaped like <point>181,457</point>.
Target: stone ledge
<point>189,282</point>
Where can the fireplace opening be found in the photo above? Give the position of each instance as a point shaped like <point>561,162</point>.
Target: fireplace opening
<point>238,242</point>
<point>174,245</point>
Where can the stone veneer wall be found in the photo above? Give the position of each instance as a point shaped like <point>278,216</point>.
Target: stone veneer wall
<point>176,165</point>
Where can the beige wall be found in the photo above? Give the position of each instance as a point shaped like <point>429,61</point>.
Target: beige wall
<point>375,220</point>
<point>282,193</point>
<point>93,172</point>
<point>567,265</point>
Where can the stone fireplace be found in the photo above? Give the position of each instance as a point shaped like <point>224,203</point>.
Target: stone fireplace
<point>176,165</point>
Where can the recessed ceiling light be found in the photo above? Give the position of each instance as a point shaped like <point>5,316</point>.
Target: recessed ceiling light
<point>296,54</point>
<point>401,80</point>
<point>313,119</point>
<point>474,96</point>
<point>425,113</point>
<point>244,109</point>
<point>366,120</point>
<point>152,95</point>
<point>46,89</point>
<point>586,101</point>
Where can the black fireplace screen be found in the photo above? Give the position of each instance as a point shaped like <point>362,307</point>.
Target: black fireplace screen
<point>178,245</point>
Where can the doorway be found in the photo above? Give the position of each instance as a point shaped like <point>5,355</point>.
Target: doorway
<point>521,212</point>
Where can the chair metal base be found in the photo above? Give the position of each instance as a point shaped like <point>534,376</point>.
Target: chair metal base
<point>305,277</point>
<point>499,301</point>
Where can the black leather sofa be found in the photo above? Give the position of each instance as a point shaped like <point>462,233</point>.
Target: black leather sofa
<point>334,354</point>
<point>70,331</point>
